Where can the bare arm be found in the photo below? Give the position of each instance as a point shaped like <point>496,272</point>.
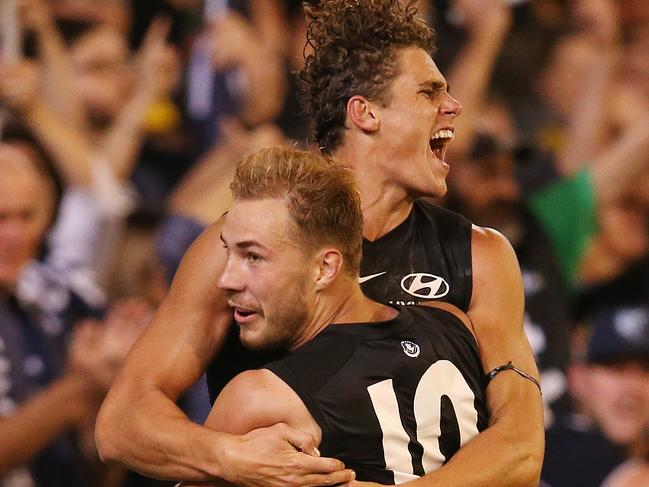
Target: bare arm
<point>487,24</point>
<point>619,166</point>
<point>139,423</point>
<point>588,121</point>
<point>94,356</point>
<point>71,151</point>
<point>258,399</point>
<point>237,45</point>
<point>157,72</point>
<point>41,419</point>
<point>510,450</point>
<point>204,192</point>
<point>57,66</point>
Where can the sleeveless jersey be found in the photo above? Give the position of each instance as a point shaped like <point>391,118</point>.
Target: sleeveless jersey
<point>394,399</point>
<point>426,257</point>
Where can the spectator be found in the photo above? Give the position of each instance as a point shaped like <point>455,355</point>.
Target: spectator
<point>43,395</point>
<point>610,389</point>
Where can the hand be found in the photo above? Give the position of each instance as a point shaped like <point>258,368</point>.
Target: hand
<point>123,325</point>
<point>157,63</point>
<point>234,41</point>
<point>357,483</point>
<point>19,89</point>
<point>476,15</point>
<point>234,133</point>
<point>83,359</point>
<point>97,350</point>
<point>35,14</point>
<point>600,19</point>
<point>282,456</point>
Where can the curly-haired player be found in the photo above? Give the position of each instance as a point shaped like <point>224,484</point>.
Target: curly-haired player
<point>380,105</point>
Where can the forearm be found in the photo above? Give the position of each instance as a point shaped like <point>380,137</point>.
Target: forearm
<point>120,146</point>
<point>58,72</point>
<point>587,125</point>
<point>151,435</point>
<point>204,193</point>
<point>619,166</point>
<point>40,420</point>
<point>470,76</point>
<point>71,151</point>
<point>508,453</point>
<point>265,88</point>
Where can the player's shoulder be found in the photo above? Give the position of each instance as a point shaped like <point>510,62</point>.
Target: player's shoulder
<point>490,247</point>
<point>497,281</point>
<point>253,399</point>
<point>250,385</point>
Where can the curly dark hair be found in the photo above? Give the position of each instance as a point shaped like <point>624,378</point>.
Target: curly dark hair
<point>355,45</point>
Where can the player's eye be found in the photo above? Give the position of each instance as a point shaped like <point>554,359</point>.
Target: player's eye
<point>254,258</point>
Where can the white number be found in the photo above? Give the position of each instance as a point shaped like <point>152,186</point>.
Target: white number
<point>441,379</point>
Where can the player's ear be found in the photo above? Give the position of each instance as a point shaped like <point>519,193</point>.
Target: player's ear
<point>363,113</point>
<point>330,264</point>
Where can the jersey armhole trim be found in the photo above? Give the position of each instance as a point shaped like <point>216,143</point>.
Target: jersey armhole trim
<point>286,375</point>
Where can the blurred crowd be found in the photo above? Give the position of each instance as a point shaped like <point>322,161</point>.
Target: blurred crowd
<point>121,122</point>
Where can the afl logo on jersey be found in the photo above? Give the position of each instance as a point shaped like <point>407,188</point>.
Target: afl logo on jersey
<point>427,286</point>
<point>411,349</point>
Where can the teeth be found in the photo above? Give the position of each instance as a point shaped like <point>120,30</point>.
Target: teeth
<point>443,134</point>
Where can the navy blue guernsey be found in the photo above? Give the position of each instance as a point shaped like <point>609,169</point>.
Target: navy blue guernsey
<point>426,257</point>
<point>394,399</point>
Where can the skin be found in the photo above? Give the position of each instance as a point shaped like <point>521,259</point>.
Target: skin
<point>616,396</point>
<point>26,204</point>
<point>638,479</point>
<point>380,141</point>
<point>268,306</point>
<point>99,60</point>
<point>497,304</point>
<point>265,261</point>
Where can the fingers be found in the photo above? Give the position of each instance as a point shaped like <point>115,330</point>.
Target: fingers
<point>19,85</point>
<point>344,477</point>
<point>325,471</point>
<point>157,33</point>
<point>231,128</point>
<point>321,466</point>
<point>302,441</point>
<point>128,313</point>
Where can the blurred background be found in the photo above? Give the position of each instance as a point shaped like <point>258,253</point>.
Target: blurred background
<point>121,122</point>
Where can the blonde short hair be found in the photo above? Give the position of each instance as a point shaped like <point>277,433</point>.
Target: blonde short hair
<point>321,196</point>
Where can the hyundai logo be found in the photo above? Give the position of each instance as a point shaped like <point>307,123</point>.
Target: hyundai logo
<point>427,286</point>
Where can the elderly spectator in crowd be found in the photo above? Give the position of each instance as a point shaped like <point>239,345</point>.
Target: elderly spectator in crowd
<point>45,286</point>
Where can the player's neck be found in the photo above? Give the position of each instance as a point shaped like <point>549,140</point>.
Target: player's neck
<point>384,204</point>
<point>344,305</point>
<point>381,213</point>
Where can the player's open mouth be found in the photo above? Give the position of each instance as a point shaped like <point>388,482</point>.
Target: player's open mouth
<point>244,315</point>
<point>438,142</point>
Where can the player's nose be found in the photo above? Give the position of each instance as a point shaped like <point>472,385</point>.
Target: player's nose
<point>230,279</point>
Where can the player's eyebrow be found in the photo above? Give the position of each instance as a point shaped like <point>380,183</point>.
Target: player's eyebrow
<point>436,85</point>
<point>249,243</point>
<point>245,244</point>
